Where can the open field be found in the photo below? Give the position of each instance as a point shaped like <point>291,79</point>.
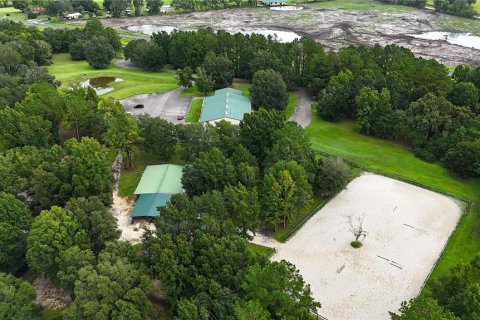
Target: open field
<point>407,228</point>
<point>194,111</point>
<point>384,156</point>
<point>13,14</point>
<point>135,81</point>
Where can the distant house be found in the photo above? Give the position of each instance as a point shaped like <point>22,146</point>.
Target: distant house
<point>272,2</point>
<point>75,15</point>
<point>226,104</point>
<point>156,187</point>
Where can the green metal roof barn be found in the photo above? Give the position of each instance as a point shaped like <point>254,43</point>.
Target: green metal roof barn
<point>155,189</point>
<point>228,104</point>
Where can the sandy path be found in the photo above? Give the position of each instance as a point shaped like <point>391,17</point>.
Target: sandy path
<point>121,208</point>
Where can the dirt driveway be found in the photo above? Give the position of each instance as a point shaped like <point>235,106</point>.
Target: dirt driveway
<point>334,28</point>
<point>168,105</point>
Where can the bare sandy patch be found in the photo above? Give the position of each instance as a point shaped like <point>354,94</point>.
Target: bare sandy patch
<point>407,227</point>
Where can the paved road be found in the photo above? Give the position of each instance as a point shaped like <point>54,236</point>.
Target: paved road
<point>168,105</point>
<point>43,24</point>
<point>303,112</point>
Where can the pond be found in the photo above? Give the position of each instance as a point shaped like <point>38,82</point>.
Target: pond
<point>279,35</point>
<point>462,39</point>
<point>151,29</point>
<point>287,8</point>
<point>100,84</point>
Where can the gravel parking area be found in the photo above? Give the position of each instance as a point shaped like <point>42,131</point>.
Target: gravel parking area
<point>168,105</point>
<point>407,229</point>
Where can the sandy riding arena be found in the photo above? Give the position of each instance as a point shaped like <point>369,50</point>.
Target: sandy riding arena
<point>407,229</point>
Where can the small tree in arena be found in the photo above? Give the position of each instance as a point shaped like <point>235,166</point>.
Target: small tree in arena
<point>356,228</point>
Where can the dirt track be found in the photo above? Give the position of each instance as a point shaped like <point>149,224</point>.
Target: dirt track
<point>333,28</point>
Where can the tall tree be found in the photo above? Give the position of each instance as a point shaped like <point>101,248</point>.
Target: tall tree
<point>138,6</point>
<point>279,288</point>
<point>331,176</point>
<point>17,299</point>
<point>122,132</point>
<point>118,7</point>
<point>99,52</point>
<point>268,90</point>
<point>337,99</point>
<point>211,171</point>
<point>220,69</point>
<point>159,136</point>
<point>15,221</point>
<point>154,6</point>
<point>422,308</point>
<point>204,82</point>
<point>286,191</point>
<point>373,112</point>
<point>53,232</point>
<point>244,208</point>
<point>257,131</point>
<point>116,288</point>
<point>96,219</point>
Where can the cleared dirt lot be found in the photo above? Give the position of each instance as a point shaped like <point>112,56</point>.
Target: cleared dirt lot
<point>335,28</point>
<point>407,229</point>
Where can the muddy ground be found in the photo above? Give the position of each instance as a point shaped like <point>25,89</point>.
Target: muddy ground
<point>333,28</point>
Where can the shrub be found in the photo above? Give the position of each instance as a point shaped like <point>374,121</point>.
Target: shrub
<point>356,244</point>
<point>31,15</point>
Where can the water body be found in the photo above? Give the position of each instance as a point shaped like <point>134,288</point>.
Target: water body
<point>100,84</point>
<point>278,35</point>
<point>462,39</point>
<point>151,29</point>
<point>287,8</point>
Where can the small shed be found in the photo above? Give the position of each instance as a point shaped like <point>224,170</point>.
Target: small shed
<point>226,104</point>
<point>156,187</point>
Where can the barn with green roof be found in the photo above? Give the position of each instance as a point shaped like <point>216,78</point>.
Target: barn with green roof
<point>226,104</point>
<point>156,187</point>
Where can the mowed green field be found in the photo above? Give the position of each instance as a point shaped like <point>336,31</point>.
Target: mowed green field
<point>341,139</point>
<point>13,14</point>
<point>135,81</point>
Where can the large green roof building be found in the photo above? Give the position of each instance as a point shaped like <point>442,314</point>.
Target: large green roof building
<point>156,187</point>
<point>226,104</point>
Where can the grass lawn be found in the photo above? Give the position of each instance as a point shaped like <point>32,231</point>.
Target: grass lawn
<point>130,177</point>
<point>14,14</point>
<point>194,111</point>
<point>242,85</point>
<point>281,234</point>
<point>261,250</point>
<point>292,104</point>
<point>362,5</point>
<point>342,140</point>
<point>135,81</point>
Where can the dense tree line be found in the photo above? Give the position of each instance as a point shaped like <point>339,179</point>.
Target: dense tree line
<point>95,43</point>
<point>462,8</point>
<point>23,55</point>
<point>412,3</point>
